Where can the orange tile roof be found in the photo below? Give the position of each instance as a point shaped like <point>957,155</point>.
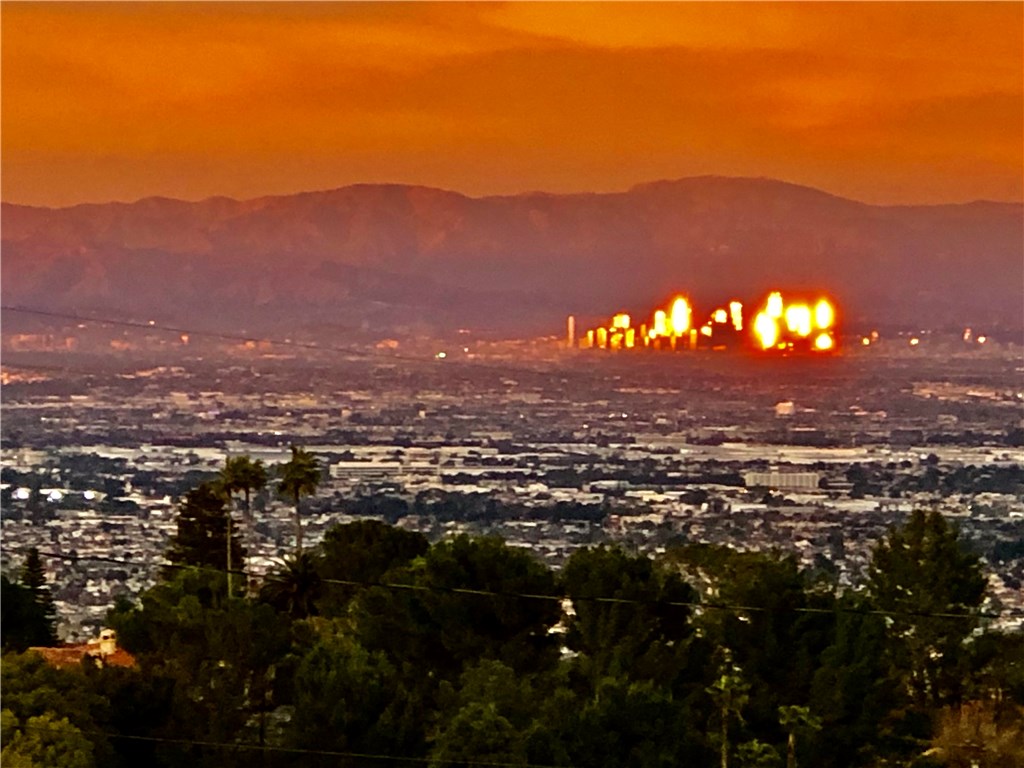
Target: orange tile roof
<point>64,656</point>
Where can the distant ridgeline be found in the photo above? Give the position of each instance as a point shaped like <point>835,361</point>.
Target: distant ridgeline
<point>383,257</point>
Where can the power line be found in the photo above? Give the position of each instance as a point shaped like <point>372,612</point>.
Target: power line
<point>352,351</point>
<point>249,746</point>
<point>605,599</point>
<point>362,353</point>
<point>153,326</point>
<point>266,748</point>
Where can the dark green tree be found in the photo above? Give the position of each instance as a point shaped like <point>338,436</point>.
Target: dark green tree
<point>219,654</point>
<point>246,475</point>
<point>241,473</point>
<point>44,740</point>
<point>139,704</point>
<point>33,576</point>
<point>499,716</point>
<point>299,476</point>
<point>855,695</point>
<point>348,699</point>
<point>62,698</point>
<point>997,667</point>
<point>362,552</point>
<point>730,694</point>
<point>439,627</point>
<point>778,636</point>
<point>630,725</point>
<point>932,587</point>
<point>295,587</point>
<point>478,734</point>
<point>796,720</point>
<point>757,754</point>
<point>631,616</point>
<point>201,539</point>
<point>23,622</point>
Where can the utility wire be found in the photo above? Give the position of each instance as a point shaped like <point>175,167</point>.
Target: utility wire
<point>352,351</point>
<point>249,746</point>
<point>609,600</point>
<point>178,329</point>
<point>362,353</point>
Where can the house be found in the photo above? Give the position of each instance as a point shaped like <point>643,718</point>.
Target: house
<point>103,651</point>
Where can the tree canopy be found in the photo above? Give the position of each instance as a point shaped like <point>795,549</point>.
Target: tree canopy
<point>932,587</point>
<point>467,651</point>
<point>202,530</point>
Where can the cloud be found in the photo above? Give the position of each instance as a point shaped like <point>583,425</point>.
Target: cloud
<point>250,99</point>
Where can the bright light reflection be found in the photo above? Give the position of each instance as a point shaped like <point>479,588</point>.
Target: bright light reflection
<point>823,314</point>
<point>798,319</point>
<point>660,323</point>
<point>736,314</point>
<point>680,316</point>
<point>767,329</point>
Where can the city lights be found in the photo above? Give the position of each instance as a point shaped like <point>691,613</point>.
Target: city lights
<point>660,324</point>
<point>797,324</point>
<point>680,316</point>
<point>736,315</point>
<point>767,330</point>
<point>781,324</point>
<point>823,314</point>
<point>798,320</point>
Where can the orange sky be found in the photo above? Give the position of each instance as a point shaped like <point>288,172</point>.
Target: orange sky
<point>882,102</point>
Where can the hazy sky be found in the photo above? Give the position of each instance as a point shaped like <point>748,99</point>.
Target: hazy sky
<point>882,102</point>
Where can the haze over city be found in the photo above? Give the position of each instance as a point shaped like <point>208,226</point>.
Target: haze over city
<point>608,385</point>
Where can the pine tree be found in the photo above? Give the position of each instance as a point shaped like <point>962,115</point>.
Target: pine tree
<point>33,576</point>
<point>22,623</point>
<point>933,586</point>
<point>201,539</point>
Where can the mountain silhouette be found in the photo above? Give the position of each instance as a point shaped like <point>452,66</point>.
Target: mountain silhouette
<point>379,256</point>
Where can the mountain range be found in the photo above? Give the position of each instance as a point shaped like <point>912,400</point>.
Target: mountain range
<point>396,257</point>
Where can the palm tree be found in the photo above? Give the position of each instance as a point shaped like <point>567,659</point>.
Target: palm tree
<point>241,473</point>
<point>294,586</point>
<point>794,719</point>
<point>730,694</point>
<point>300,477</point>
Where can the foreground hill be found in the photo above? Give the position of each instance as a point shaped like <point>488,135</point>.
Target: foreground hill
<point>390,255</point>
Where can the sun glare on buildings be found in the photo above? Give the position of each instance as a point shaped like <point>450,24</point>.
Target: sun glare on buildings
<point>781,324</point>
